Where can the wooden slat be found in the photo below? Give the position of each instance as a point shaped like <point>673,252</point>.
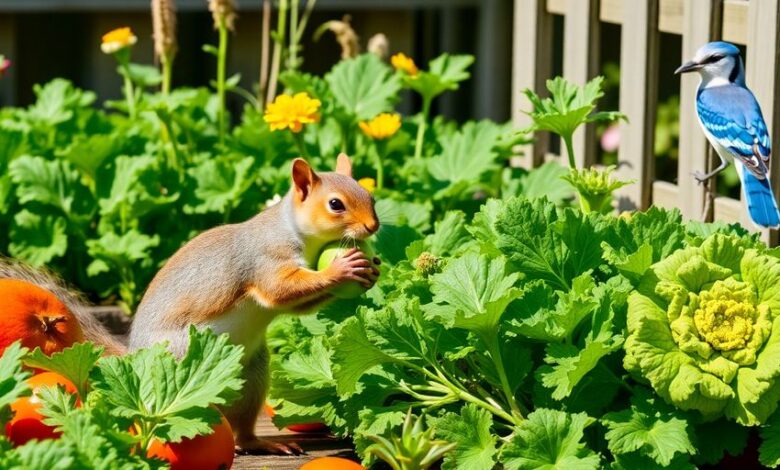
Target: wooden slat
<point>531,66</point>
<point>581,43</point>
<point>611,11</point>
<point>762,70</point>
<point>735,21</point>
<point>8,48</point>
<point>700,26</point>
<point>670,18</point>
<point>557,7</point>
<point>638,99</point>
<point>728,210</point>
<point>666,195</point>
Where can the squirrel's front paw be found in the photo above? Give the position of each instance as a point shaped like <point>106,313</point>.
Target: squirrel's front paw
<point>255,445</point>
<point>353,266</point>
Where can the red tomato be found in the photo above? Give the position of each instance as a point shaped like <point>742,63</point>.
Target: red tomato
<point>27,423</point>
<point>331,463</point>
<point>36,317</point>
<point>302,428</point>
<point>212,452</point>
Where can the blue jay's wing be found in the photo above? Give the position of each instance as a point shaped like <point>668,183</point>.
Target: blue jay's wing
<point>731,114</point>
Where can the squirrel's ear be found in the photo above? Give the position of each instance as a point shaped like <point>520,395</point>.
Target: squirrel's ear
<point>343,165</point>
<point>303,177</point>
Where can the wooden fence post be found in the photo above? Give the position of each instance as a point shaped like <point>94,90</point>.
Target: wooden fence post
<point>531,66</point>
<point>638,100</point>
<point>763,52</point>
<point>580,64</point>
<point>701,24</point>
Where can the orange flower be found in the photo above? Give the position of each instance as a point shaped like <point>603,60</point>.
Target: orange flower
<point>118,39</point>
<point>401,62</point>
<point>381,127</point>
<point>292,112</point>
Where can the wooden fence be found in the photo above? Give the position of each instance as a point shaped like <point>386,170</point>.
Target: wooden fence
<point>753,23</point>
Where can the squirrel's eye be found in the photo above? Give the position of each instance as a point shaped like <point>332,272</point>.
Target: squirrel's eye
<point>336,205</point>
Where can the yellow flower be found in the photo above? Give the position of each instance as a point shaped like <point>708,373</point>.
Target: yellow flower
<point>292,111</point>
<point>369,184</point>
<point>401,62</point>
<point>117,40</point>
<point>382,126</point>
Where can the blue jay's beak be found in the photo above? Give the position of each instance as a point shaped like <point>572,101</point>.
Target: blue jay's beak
<point>689,66</point>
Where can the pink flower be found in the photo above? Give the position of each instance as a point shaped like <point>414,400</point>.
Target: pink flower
<point>610,139</point>
<point>5,64</point>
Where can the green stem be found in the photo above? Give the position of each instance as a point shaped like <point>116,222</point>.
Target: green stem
<point>464,395</point>
<point>167,71</point>
<point>221,63</point>
<point>129,90</point>
<point>421,127</point>
<point>379,149</point>
<point>292,59</point>
<point>494,349</point>
<point>298,138</point>
<point>569,150</point>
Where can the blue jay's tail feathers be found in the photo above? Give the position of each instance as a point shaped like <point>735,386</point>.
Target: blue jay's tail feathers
<point>760,200</point>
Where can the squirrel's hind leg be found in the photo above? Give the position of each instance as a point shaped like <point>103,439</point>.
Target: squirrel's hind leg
<point>243,413</point>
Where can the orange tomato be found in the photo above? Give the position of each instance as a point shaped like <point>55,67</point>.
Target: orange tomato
<point>212,452</point>
<point>301,428</point>
<point>36,317</point>
<point>27,423</point>
<point>331,463</point>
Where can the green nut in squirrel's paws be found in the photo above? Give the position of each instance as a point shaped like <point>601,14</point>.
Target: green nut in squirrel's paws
<point>351,289</point>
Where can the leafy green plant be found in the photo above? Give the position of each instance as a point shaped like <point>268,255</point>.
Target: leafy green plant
<point>161,398</point>
<point>414,449</point>
<point>569,107</point>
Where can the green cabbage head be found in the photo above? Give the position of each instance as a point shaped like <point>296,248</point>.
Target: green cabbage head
<point>704,330</point>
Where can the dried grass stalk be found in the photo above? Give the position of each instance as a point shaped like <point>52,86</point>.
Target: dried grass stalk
<point>223,12</point>
<point>164,29</point>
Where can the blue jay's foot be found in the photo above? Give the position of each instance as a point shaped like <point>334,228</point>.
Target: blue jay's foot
<point>700,176</point>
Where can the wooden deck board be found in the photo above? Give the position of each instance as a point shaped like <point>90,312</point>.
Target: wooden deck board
<point>315,445</point>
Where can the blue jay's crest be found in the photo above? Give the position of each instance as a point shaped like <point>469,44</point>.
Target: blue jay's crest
<point>732,120</point>
<point>718,47</point>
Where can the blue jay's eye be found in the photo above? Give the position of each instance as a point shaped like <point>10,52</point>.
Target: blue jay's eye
<point>713,58</point>
<point>336,205</point>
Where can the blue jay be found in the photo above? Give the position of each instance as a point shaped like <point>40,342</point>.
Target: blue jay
<point>732,121</point>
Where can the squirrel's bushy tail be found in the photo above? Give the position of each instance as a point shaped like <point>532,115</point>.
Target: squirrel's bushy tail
<point>93,330</point>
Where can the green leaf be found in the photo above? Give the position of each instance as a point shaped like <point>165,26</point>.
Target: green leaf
<point>364,86</point>
<point>112,251</point>
<point>53,184</point>
<point>568,106</point>
<point>550,440</point>
<point>471,432</point>
<point>472,292</point>
<point>89,153</point>
<point>74,363</point>
<point>546,245</point>
<point>48,454</point>
<point>647,427</point>
<point>569,365</point>
<point>546,181</point>
<point>540,316</point>
<point>135,190</point>
<point>220,184</point>
<point>38,239</point>
<point>354,355</point>
<point>468,154</point>
<point>449,234</point>
<point>150,385</point>
<point>716,439</point>
<point>56,103</point>
<point>144,75</point>
<point>769,451</point>
<point>12,379</point>
<point>444,73</point>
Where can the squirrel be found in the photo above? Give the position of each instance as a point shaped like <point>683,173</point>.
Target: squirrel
<point>236,278</point>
